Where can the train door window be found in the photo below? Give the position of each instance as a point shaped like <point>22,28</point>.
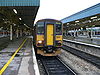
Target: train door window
<point>40,27</point>
<point>58,28</point>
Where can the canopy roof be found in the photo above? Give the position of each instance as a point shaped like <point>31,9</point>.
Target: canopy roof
<point>26,9</point>
<point>82,14</point>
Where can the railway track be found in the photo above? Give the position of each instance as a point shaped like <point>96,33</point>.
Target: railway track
<point>88,57</point>
<point>54,66</point>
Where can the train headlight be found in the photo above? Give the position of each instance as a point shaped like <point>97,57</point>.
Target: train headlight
<point>58,43</point>
<point>39,41</point>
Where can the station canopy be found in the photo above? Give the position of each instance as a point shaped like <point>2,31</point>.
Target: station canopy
<point>86,18</point>
<point>23,11</point>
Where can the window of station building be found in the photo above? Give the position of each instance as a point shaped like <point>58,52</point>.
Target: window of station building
<point>40,27</point>
<point>58,28</point>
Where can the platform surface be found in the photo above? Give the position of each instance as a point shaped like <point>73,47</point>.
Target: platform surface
<point>23,63</point>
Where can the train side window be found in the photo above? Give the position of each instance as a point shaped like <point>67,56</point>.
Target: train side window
<point>58,28</point>
<point>40,27</point>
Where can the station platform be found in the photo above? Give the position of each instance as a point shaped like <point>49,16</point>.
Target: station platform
<point>92,40</point>
<point>18,58</point>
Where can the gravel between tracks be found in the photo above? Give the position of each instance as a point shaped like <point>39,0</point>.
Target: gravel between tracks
<point>81,66</point>
<point>41,68</point>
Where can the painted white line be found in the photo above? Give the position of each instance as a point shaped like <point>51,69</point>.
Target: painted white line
<point>23,70</point>
<point>36,68</point>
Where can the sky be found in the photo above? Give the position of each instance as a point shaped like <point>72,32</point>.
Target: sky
<point>59,9</point>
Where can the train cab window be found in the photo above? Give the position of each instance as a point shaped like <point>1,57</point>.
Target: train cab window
<point>58,28</point>
<point>40,27</point>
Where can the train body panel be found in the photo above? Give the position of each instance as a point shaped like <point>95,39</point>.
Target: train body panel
<point>48,37</point>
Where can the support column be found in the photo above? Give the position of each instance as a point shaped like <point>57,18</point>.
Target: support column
<point>77,32</point>
<point>91,33</point>
<point>17,33</point>
<point>3,33</point>
<point>65,33</point>
<point>21,33</point>
<point>74,33</point>
<point>11,34</point>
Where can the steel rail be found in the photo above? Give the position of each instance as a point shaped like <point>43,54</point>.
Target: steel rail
<point>54,66</point>
<point>86,56</point>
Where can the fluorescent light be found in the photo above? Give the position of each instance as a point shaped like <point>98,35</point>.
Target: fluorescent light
<point>26,25</point>
<point>14,24</point>
<point>98,18</point>
<point>76,21</point>
<point>67,23</point>
<point>93,17</point>
<point>1,28</point>
<point>89,20</point>
<point>15,11</point>
<point>20,19</point>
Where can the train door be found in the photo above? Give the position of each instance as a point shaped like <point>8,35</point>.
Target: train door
<point>50,31</point>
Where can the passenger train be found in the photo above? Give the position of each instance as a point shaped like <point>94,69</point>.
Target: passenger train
<point>48,37</point>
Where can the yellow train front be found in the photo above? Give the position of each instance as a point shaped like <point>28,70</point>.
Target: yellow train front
<point>48,37</point>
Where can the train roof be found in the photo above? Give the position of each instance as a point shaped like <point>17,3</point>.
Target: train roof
<point>49,20</point>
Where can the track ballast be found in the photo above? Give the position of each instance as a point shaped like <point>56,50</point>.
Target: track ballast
<point>54,66</point>
<point>88,57</point>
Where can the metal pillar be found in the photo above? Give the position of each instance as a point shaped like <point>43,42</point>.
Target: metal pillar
<point>17,33</point>
<point>65,33</point>
<point>91,33</point>
<point>74,33</point>
<point>11,34</point>
<point>21,33</point>
<point>77,32</point>
<point>3,33</point>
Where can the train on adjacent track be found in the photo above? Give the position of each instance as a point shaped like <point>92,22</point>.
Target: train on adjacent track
<point>48,37</point>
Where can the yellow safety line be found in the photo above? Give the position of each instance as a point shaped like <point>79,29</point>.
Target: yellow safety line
<point>9,61</point>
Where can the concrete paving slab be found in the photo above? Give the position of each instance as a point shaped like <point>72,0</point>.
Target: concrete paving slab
<point>23,63</point>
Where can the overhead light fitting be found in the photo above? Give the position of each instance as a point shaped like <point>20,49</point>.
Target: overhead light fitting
<point>94,17</point>
<point>15,11</point>
<point>89,20</point>
<point>26,25</point>
<point>14,24</point>
<point>67,23</point>
<point>20,19</point>
<point>76,21</point>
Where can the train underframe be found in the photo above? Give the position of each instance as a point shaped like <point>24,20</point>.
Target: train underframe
<point>48,51</point>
